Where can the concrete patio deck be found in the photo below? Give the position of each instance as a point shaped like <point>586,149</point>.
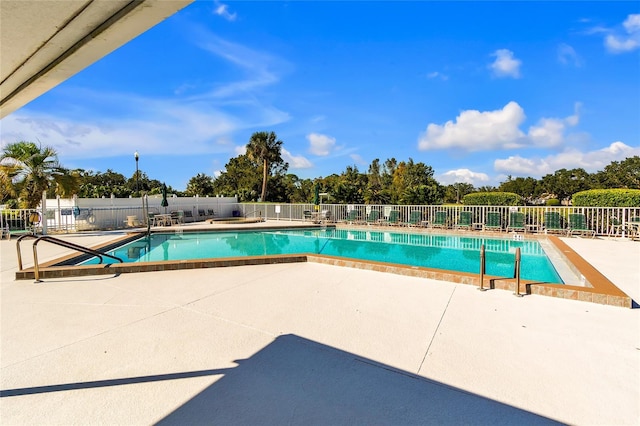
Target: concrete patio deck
<point>308,343</point>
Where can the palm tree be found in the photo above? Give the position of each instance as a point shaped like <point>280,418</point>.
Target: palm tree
<point>26,170</point>
<point>265,148</point>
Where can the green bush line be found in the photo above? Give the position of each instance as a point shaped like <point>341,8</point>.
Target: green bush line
<point>493,199</point>
<point>607,198</point>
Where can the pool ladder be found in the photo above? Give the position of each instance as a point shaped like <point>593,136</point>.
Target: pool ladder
<point>58,242</point>
<point>516,270</point>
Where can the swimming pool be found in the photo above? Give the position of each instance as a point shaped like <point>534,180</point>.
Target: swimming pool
<point>448,252</point>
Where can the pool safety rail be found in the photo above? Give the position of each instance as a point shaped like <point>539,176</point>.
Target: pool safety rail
<point>516,270</point>
<point>36,267</point>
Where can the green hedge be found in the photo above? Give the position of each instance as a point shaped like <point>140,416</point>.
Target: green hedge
<point>607,198</point>
<point>552,202</point>
<point>493,199</point>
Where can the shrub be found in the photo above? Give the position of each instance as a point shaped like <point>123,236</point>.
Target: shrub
<point>552,202</point>
<point>493,199</point>
<point>607,198</point>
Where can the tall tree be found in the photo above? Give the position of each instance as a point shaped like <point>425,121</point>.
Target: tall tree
<point>266,148</point>
<point>623,174</point>
<point>240,177</point>
<point>200,184</point>
<point>564,183</point>
<point>27,170</point>
<point>527,188</point>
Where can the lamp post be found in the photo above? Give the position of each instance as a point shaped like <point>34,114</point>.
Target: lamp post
<point>137,157</point>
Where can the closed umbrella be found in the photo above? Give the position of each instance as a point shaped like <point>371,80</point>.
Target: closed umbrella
<point>164,202</point>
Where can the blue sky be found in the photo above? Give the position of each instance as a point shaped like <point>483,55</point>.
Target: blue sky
<point>476,90</point>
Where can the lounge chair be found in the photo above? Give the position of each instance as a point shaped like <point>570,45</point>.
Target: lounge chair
<point>516,222</point>
<point>493,221</point>
<point>307,215</point>
<point>373,217</point>
<point>440,220</point>
<point>352,217</point>
<point>415,218</point>
<point>324,217</point>
<point>465,220</point>
<point>578,225</point>
<point>553,223</point>
<point>394,218</point>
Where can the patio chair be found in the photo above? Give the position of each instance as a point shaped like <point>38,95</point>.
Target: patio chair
<point>516,222</point>
<point>553,223</point>
<point>325,216</point>
<point>307,215</point>
<point>151,217</point>
<point>465,220</point>
<point>493,221</point>
<point>578,225</point>
<point>634,227</point>
<point>615,227</point>
<point>373,217</point>
<point>177,217</point>
<point>352,217</point>
<point>394,218</point>
<point>415,218</point>
<point>440,220</point>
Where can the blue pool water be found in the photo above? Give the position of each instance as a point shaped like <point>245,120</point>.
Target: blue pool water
<point>451,252</point>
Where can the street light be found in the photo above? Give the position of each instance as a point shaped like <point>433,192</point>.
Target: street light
<point>137,157</point>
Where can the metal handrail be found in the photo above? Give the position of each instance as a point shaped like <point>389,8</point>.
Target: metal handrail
<point>254,213</point>
<point>59,242</point>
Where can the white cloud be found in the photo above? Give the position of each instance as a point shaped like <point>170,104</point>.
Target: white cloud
<point>260,69</point>
<point>505,64</point>
<point>591,161</point>
<point>296,161</point>
<point>436,74</point>
<point>240,149</point>
<point>632,23</point>
<point>358,159</point>
<point>464,176</point>
<point>475,131</point>
<point>568,56</point>
<point>320,144</point>
<point>223,10</point>
<point>499,129</point>
<point>115,124</point>
<point>627,39</point>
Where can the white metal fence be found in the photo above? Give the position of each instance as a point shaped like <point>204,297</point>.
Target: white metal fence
<point>603,220</point>
<point>85,214</point>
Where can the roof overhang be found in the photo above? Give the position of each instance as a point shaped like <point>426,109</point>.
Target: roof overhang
<point>44,42</point>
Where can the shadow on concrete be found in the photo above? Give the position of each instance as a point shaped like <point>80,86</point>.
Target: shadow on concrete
<point>111,382</point>
<point>298,381</point>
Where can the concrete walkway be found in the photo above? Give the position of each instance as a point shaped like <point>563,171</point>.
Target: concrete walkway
<point>313,344</point>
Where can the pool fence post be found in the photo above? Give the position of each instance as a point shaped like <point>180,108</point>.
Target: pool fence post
<point>516,273</point>
<point>482,268</point>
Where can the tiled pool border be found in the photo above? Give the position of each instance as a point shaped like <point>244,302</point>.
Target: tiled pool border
<point>597,289</point>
